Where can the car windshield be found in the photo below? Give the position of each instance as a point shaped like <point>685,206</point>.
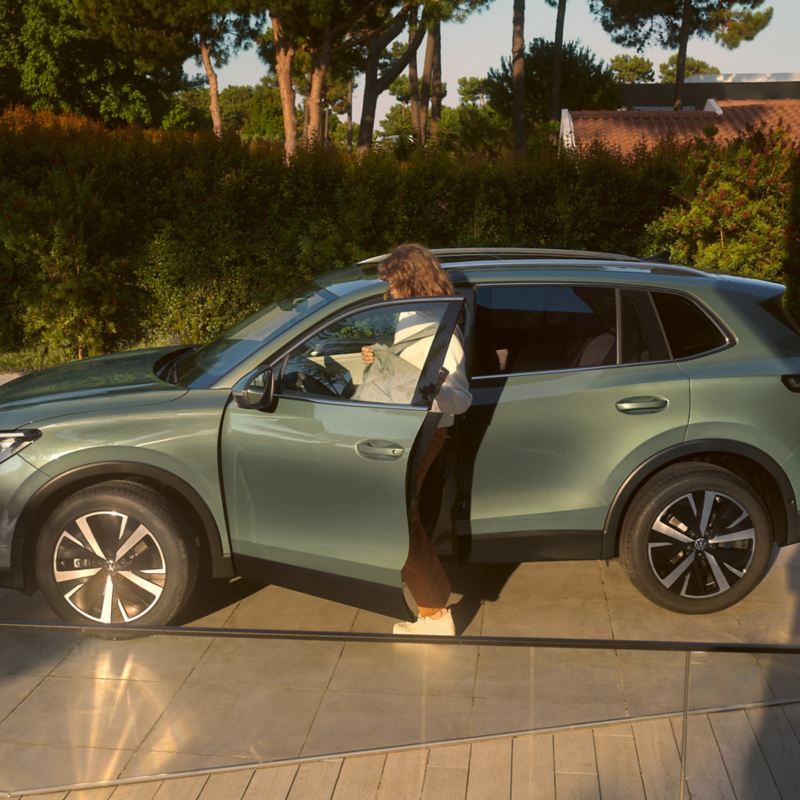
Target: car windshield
<point>203,366</point>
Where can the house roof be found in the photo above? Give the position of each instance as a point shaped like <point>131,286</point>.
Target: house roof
<point>698,89</point>
<point>627,130</point>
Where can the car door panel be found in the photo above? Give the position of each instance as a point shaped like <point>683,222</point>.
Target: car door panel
<point>314,488</point>
<point>319,483</point>
<point>549,451</point>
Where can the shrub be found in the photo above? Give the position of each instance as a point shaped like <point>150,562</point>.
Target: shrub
<point>115,237</point>
<point>733,213</point>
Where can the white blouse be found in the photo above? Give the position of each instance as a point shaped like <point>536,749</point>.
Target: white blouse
<point>454,396</point>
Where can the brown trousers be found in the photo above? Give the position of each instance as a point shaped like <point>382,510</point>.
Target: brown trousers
<point>423,572</point>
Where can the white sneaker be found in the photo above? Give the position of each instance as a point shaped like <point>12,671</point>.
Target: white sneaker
<point>427,626</point>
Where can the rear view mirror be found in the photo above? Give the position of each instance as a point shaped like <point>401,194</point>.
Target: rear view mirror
<point>258,392</point>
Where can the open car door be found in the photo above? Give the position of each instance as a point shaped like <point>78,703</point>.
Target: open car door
<point>316,483</point>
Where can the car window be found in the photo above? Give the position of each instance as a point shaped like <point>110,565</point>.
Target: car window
<point>330,365</point>
<point>542,327</point>
<point>641,338</point>
<point>205,365</point>
<point>690,331</point>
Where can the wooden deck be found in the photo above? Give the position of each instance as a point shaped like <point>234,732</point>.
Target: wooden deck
<point>745,754</point>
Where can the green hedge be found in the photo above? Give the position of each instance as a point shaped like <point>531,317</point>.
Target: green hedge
<point>113,238</point>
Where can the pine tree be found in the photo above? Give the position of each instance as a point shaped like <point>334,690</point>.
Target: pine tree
<point>671,23</point>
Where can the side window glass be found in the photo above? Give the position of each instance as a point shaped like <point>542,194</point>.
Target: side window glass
<point>537,328</point>
<point>641,337</point>
<point>689,330</point>
<point>330,365</point>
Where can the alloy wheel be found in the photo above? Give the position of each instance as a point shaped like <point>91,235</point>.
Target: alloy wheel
<point>109,567</point>
<point>701,544</point>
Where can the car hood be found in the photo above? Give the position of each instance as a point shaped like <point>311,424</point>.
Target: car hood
<point>85,386</point>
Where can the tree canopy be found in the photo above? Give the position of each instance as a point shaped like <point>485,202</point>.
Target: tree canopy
<point>671,23</point>
<point>632,68</point>
<point>694,66</point>
<point>49,59</point>
<point>586,82</point>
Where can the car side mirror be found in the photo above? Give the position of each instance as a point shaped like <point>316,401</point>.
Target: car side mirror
<point>258,392</point>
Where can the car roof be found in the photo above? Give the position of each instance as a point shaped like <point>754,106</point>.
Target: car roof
<point>465,258</point>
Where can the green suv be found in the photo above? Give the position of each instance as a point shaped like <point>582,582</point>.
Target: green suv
<point>620,407</point>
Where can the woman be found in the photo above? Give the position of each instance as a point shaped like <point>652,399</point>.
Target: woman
<point>413,271</point>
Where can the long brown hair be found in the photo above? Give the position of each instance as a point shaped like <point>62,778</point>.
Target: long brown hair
<point>411,270</point>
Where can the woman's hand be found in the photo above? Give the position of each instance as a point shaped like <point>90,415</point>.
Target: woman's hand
<point>367,355</point>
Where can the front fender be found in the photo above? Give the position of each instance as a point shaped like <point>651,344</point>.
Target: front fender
<point>50,492</point>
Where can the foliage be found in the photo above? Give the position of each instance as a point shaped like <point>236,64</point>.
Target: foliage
<point>632,69</point>
<point>254,112</point>
<point>694,66</point>
<point>397,126</point>
<point>114,237</point>
<point>49,60</point>
<point>472,91</point>
<point>636,23</point>
<point>734,207</point>
<point>791,264</point>
<point>585,82</point>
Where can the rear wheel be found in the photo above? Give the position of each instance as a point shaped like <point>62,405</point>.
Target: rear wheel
<point>114,553</point>
<point>697,538</point>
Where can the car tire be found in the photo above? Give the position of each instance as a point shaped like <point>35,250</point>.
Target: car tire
<point>115,554</point>
<point>696,539</point>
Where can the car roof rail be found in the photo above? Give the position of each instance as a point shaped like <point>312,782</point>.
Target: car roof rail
<point>450,254</point>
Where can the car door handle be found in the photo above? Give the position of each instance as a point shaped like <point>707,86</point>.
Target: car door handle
<point>378,450</point>
<point>642,405</point>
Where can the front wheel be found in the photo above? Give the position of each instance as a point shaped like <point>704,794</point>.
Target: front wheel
<point>114,553</point>
<point>696,539</point>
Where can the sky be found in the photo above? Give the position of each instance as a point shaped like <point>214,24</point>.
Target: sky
<point>472,47</point>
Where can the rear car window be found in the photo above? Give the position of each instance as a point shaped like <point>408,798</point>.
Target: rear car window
<point>537,328</point>
<point>690,331</point>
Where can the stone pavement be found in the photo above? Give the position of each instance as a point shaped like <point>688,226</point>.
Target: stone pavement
<point>78,709</point>
<point>733,754</point>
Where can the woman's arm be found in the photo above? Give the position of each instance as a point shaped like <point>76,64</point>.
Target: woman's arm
<point>454,397</point>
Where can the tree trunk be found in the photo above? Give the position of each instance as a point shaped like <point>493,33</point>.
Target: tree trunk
<point>350,115</point>
<point>284,53</point>
<point>518,77</point>
<point>413,79</point>
<point>370,101</point>
<point>427,79</point>
<point>375,84</point>
<point>213,88</point>
<point>319,71</point>
<point>683,42</point>
<point>555,97</point>
<point>436,78</point>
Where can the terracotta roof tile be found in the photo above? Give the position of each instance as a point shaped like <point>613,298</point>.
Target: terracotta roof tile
<point>626,130</point>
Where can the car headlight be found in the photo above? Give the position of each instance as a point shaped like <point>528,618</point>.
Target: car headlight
<point>12,442</point>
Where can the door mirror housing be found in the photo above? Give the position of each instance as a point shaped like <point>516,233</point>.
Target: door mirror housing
<point>257,392</point>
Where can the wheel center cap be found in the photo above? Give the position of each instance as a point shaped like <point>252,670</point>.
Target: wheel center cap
<point>701,543</point>
<point>111,566</point>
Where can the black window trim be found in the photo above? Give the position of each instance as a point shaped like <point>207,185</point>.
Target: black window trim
<point>730,339</point>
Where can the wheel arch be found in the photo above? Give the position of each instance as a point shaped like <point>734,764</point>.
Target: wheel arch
<point>178,493</point>
<point>756,467</point>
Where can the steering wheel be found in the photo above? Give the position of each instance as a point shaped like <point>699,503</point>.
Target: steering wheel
<point>308,377</point>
